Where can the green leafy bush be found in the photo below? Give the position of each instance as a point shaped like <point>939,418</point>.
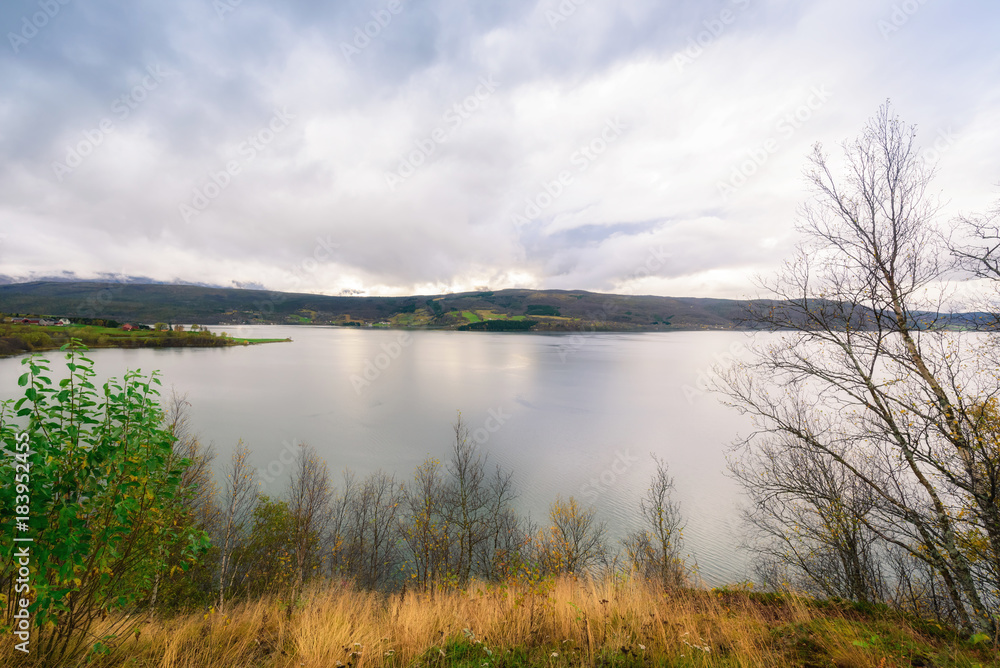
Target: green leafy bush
<point>100,486</point>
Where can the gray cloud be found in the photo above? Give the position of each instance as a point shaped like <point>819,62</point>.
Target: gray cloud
<point>396,171</point>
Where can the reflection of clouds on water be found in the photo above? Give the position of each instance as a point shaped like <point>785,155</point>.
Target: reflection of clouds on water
<point>563,422</point>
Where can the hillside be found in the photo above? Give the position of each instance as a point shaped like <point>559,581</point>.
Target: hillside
<point>547,309</point>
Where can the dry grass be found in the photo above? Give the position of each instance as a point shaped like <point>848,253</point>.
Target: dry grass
<point>557,623</point>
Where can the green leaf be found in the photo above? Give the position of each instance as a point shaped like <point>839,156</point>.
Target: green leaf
<point>23,380</point>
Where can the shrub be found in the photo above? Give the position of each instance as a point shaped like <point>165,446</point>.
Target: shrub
<point>97,486</point>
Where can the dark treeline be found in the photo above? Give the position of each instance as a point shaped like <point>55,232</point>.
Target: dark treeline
<point>500,326</point>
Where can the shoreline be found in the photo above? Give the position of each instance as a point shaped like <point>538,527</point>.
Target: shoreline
<point>20,339</point>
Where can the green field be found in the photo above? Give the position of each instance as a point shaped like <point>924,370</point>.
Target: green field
<point>418,318</point>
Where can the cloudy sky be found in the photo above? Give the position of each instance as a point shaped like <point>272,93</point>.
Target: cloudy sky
<point>425,146</point>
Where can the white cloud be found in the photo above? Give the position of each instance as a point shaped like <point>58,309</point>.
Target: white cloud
<point>652,180</point>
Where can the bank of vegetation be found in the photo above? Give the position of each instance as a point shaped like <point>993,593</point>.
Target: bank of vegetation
<point>17,339</point>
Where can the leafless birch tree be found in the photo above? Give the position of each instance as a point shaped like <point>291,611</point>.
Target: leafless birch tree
<point>309,498</point>
<point>240,498</point>
<point>865,407</point>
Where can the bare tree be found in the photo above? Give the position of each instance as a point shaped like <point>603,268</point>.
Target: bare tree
<point>195,503</point>
<point>366,534</point>
<point>424,526</point>
<point>864,386</point>
<point>506,548</point>
<point>240,498</point>
<point>655,550</point>
<point>339,540</point>
<point>807,514</point>
<point>574,543</point>
<point>975,243</point>
<point>197,481</point>
<point>376,508</point>
<point>477,505</point>
<point>309,498</point>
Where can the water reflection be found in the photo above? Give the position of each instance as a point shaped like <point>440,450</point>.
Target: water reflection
<point>580,414</point>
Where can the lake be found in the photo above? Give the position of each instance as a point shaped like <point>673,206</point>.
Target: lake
<point>570,414</point>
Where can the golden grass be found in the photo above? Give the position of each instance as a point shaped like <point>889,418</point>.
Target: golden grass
<point>566,622</point>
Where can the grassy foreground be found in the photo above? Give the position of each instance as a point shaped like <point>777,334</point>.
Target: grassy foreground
<point>561,623</point>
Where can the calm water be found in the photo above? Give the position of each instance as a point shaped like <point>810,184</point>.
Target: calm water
<point>571,414</point>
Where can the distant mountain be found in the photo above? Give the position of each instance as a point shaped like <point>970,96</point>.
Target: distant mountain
<point>548,309</point>
<point>539,310</point>
<point>70,277</point>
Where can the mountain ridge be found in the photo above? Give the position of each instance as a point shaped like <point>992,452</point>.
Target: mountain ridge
<point>512,309</point>
<point>547,309</point>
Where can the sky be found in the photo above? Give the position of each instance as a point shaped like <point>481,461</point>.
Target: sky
<point>392,147</point>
